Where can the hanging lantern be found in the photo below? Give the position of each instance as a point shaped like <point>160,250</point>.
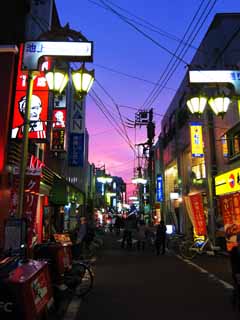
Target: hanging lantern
<point>83,80</point>
<point>196,105</point>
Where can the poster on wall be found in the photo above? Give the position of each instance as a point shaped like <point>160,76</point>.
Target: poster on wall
<point>230,208</point>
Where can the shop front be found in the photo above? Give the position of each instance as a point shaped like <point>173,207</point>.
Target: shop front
<point>227,189</point>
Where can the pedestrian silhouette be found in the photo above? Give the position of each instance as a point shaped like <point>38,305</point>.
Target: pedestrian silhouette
<point>160,240</point>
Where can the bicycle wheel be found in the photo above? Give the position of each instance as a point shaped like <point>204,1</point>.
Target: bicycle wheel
<point>187,250</point>
<point>86,280</point>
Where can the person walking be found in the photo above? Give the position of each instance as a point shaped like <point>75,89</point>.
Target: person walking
<point>160,240</point>
<point>141,235</point>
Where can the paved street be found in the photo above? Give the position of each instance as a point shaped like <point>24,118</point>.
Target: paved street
<point>132,285</point>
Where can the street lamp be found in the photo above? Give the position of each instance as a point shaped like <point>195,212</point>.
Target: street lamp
<point>219,104</point>
<point>82,80</point>
<point>57,80</point>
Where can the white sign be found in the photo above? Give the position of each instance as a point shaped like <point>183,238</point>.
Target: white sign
<point>216,76</point>
<point>74,51</point>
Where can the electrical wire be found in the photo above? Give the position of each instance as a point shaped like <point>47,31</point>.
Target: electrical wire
<point>143,33</point>
<point>119,113</point>
<point>99,103</point>
<point>147,24</point>
<point>171,66</point>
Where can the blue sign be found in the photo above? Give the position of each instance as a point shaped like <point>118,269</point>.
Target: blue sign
<point>76,150</point>
<point>159,189</point>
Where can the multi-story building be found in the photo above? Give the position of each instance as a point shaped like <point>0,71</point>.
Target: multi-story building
<point>183,173</point>
<point>61,196</point>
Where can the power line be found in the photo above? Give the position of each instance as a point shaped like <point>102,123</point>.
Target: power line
<point>130,76</point>
<point>167,74</point>
<point>152,27</point>
<point>143,33</point>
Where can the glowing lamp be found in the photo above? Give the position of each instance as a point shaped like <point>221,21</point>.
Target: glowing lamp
<point>219,105</point>
<point>139,181</point>
<point>197,104</point>
<point>104,179</point>
<point>56,80</point>
<point>83,80</point>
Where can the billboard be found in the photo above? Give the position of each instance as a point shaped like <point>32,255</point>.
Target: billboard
<point>38,108</point>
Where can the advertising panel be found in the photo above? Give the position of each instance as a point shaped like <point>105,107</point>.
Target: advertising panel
<point>227,182</point>
<point>230,209</point>
<point>38,108</point>
<point>196,139</point>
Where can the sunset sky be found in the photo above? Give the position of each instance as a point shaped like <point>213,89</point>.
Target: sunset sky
<point>134,42</point>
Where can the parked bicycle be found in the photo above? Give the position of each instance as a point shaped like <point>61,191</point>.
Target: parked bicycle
<point>174,241</point>
<point>77,277</point>
<point>189,249</point>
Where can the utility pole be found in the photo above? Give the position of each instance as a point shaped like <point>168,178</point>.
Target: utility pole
<point>150,136</point>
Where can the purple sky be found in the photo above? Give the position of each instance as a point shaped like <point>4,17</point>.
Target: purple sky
<point>118,46</point>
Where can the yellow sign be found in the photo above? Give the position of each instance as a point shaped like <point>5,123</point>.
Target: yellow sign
<point>196,139</point>
<point>228,182</point>
<point>224,146</point>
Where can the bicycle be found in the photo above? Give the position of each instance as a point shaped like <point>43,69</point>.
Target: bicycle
<point>76,279</point>
<point>189,249</point>
<point>174,241</point>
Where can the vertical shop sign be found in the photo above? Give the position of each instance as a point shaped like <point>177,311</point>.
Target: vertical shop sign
<point>58,134</point>
<point>159,189</point>
<point>76,150</point>
<point>196,139</point>
<point>76,136</point>
<point>224,146</point>
<point>32,186</point>
<point>230,208</point>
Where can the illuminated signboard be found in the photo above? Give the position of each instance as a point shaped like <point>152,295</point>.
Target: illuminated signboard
<point>59,118</point>
<point>216,76</point>
<point>224,146</point>
<point>196,139</point>
<point>75,51</point>
<point>159,189</point>
<point>228,182</point>
<point>38,108</point>
<point>58,140</point>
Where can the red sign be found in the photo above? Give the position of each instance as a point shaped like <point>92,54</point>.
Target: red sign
<point>59,118</point>
<point>38,108</point>
<point>32,186</point>
<point>230,208</point>
<point>40,291</point>
<point>7,61</point>
<point>198,214</point>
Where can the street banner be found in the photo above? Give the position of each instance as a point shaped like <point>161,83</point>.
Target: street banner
<point>230,209</point>
<point>194,205</point>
